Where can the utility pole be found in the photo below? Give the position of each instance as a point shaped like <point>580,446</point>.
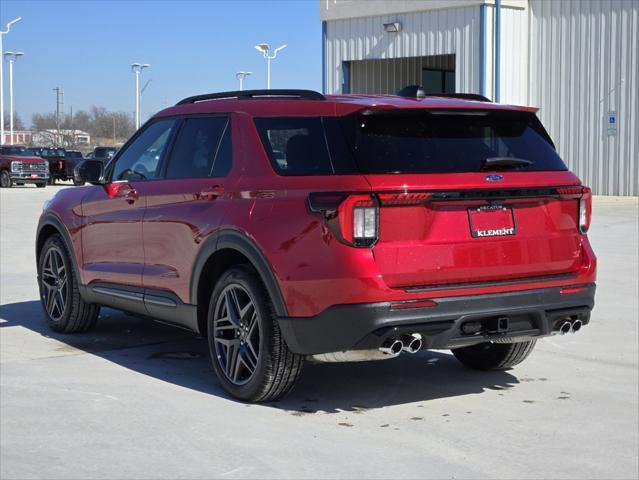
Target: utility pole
<point>59,108</point>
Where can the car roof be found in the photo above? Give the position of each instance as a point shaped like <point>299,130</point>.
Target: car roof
<point>330,105</point>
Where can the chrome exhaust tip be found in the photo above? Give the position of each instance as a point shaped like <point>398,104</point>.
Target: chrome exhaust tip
<point>392,347</point>
<point>576,326</point>
<point>565,328</point>
<point>412,343</point>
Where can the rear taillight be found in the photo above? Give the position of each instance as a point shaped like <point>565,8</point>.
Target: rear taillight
<point>358,217</point>
<point>585,210</point>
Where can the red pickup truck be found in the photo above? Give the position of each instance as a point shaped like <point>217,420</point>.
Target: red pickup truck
<point>20,165</point>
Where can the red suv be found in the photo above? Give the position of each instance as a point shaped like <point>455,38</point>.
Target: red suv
<point>287,226</point>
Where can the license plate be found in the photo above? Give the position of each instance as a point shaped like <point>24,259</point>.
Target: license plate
<point>492,221</point>
<point>34,175</point>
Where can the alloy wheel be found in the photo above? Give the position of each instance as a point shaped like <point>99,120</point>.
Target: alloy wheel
<point>54,284</point>
<point>236,334</point>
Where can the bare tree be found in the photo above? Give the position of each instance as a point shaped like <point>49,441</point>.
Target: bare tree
<point>18,124</point>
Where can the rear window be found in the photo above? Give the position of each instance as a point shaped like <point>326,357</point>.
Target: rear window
<point>447,142</point>
<point>296,145</point>
<point>415,141</point>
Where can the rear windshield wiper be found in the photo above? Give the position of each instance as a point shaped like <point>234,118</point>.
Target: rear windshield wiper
<point>505,162</point>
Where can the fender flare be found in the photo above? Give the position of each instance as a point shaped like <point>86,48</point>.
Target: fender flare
<point>242,243</point>
<point>52,220</point>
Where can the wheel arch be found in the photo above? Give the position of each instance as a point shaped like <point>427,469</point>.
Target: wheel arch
<point>220,252</point>
<point>49,225</point>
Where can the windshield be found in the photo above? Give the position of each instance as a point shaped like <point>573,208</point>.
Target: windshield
<point>104,152</point>
<point>53,152</point>
<point>18,151</point>
<point>449,142</point>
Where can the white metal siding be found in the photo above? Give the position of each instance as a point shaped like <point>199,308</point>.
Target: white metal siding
<point>437,32</point>
<point>514,55</point>
<point>583,64</point>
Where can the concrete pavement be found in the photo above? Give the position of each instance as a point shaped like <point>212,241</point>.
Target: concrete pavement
<point>135,399</point>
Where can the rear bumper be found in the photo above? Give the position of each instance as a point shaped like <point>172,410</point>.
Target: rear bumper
<point>530,314</point>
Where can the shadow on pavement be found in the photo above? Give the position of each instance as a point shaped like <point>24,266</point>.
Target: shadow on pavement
<point>179,357</point>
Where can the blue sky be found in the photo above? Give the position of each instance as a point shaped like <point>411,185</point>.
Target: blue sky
<point>193,47</point>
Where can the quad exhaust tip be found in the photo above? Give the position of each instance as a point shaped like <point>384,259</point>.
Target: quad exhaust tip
<point>565,328</point>
<point>392,347</point>
<point>576,326</point>
<point>412,343</point>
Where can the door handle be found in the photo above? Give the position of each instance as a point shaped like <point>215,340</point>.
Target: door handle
<point>210,193</point>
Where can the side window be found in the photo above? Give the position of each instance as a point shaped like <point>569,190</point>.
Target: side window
<point>140,159</point>
<point>202,149</point>
<point>295,145</point>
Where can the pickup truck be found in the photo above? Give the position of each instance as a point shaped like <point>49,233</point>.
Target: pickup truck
<point>20,165</point>
<point>75,157</point>
<point>104,154</point>
<point>60,167</point>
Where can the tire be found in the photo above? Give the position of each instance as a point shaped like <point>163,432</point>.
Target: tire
<point>494,356</point>
<point>41,185</point>
<point>5,179</point>
<point>266,374</point>
<point>63,307</point>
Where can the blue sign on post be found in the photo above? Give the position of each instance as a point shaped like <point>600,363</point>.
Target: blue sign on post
<point>611,124</point>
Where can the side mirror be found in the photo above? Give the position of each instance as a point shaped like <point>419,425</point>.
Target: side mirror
<point>91,171</point>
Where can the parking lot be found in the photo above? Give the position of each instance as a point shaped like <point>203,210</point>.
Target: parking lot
<point>135,399</point>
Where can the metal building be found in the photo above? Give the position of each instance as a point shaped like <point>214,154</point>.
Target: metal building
<point>577,60</point>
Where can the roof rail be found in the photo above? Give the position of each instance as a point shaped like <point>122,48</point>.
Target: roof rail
<point>417,91</point>
<point>256,94</point>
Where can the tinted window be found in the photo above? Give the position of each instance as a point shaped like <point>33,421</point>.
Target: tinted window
<point>197,146</point>
<point>430,142</point>
<point>103,152</point>
<point>296,145</point>
<point>140,159</point>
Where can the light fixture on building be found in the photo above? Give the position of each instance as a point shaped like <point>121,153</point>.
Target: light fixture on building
<point>393,27</point>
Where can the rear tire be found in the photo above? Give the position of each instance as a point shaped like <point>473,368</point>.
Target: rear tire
<point>5,179</point>
<point>494,356</point>
<point>63,307</point>
<point>249,355</point>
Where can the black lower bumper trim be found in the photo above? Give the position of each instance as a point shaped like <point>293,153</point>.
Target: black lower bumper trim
<point>529,314</point>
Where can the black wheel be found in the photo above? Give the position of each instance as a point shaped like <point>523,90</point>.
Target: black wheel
<point>64,309</point>
<point>248,352</point>
<point>5,179</point>
<point>41,185</point>
<point>494,356</point>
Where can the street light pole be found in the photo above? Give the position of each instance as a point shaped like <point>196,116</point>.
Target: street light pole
<point>2,34</point>
<point>241,76</point>
<point>264,48</point>
<point>137,68</point>
<point>11,58</point>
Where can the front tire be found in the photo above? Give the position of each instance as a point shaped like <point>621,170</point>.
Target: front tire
<point>494,356</point>
<point>248,353</point>
<point>5,179</point>
<point>63,307</point>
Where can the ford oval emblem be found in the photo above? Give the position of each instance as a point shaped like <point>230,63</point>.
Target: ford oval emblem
<point>494,178</point>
